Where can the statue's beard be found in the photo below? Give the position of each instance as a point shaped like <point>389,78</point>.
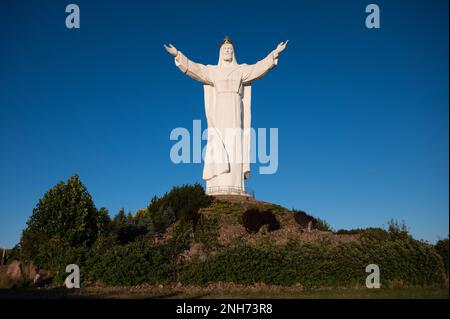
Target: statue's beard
<point>227,59</point>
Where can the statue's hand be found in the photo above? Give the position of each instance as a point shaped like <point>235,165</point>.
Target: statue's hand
<point>171,50</point>
<point>282,46</point>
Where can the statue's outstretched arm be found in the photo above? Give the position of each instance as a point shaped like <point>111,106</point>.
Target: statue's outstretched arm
<point>195,70</point>
<point>258,70</point>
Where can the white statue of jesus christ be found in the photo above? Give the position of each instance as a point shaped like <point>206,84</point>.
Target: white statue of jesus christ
<point>227,88</point>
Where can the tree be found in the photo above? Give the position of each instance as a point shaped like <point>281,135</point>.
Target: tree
<point>104,222</point>
<point>120,220</point>
<point>144,220</point>
<point>66,212</point>
<point>126,228</point>
<point>442,249</point>
<point>397,230</point>
<point>181,203</point>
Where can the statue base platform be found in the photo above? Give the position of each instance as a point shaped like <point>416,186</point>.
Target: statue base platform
<point>235,198</point>
<point>237,192</point>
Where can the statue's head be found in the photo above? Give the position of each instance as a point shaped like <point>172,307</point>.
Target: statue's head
<point>227,51</point>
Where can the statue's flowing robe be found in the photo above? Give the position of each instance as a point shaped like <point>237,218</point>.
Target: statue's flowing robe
<point>227,91</point>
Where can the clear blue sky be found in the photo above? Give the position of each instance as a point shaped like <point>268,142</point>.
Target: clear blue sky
<point>362,114</point>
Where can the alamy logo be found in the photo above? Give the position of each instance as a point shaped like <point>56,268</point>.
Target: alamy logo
<point>73,280</point>
<point>373,19</point>
<point>373,280</point>
<point>73,19</point>
<point>231,147</point>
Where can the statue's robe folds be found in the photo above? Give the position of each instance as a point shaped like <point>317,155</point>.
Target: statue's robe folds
<point>227,105</point>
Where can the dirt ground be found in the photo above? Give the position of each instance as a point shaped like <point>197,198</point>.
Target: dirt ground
<point>225,291</point>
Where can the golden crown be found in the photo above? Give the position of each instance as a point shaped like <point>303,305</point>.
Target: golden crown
<point>226,40</point>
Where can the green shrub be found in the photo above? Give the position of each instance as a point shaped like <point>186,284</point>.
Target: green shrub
<point>135,263</point>
<point>349,231</point>
<point>253,219</point>
<point>303,219</point>
<point>442,249</point>
<point>181,239</point>
<point>181,202</point>
<point>374,233</point>
<point>322,225</point>
<point>207,232</point>
<point>319,264</point>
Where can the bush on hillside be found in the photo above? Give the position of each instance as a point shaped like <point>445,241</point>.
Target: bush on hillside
<point>181,202</point>
<point>353,231</point>
<point>320,264</point>
<point>253,219</point>
<point>304,219</point>
<point>442,249</point>
<point>131,264</point>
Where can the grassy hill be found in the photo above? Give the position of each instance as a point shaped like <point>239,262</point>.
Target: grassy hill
<point>186,238</point>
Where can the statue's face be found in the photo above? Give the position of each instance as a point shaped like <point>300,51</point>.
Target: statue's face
<point>227,52</point>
